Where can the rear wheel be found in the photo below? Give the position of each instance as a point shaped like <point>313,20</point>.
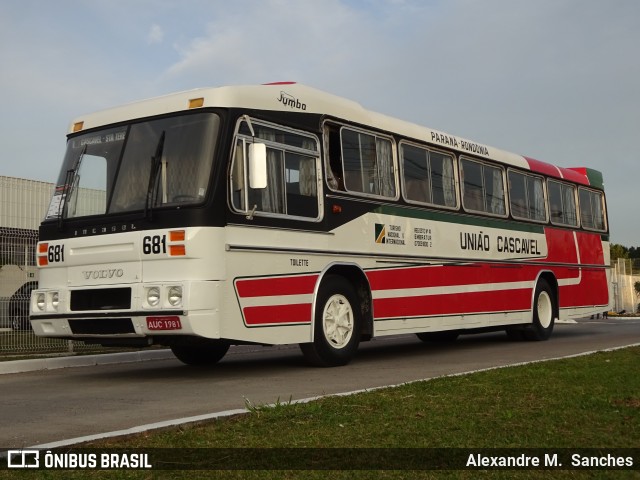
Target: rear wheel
<point>337,322</point>
<point>201,354</point>
<point>544,312</point>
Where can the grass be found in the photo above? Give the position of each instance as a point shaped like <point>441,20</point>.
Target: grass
<point>585,402</point>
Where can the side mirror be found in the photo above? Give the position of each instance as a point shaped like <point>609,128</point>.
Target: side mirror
<point>257,165</point>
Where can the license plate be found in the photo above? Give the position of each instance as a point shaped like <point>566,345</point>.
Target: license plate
<point>164,323</point>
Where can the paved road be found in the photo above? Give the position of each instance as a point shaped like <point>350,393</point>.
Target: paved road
<point>52,405</point>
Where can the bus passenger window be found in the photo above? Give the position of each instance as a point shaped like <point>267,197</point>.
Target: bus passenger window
<point>472,186</point>
<point>526,196</point>
<point>483,188</point>
<point>415,166</point>
<point>562,203</point>
<point>367,162</point>
<point>591,209</point>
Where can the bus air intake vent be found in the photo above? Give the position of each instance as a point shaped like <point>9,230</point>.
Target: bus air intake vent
<point>100,299</point>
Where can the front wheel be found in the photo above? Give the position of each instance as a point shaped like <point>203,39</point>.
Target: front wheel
<point>337,324</point>
<point>544,312</point>
<point>201,354</point>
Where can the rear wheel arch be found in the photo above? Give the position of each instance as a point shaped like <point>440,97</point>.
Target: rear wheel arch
<point>552,281</point>
<point>544,308</point>
<point>532,330</point>
<point>358,279</point>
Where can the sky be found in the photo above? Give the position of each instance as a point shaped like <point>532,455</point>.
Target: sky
<point>556,80</point>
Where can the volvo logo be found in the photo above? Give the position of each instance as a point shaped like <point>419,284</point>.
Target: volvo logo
<point>103,274</point>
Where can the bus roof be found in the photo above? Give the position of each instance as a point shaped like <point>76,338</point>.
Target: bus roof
<point>295,97</point>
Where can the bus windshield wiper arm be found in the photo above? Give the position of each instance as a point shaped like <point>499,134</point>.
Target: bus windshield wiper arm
<point>153,177</point>
<point>69,183</point>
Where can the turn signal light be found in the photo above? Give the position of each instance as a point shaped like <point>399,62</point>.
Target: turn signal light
<point>43,259</point>
<point>177,249</point>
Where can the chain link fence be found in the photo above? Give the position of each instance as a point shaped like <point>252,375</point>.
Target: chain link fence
<point>625,273</point>
<point>23,204</point>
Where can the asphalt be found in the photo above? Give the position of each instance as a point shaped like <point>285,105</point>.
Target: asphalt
<point>20,366</point>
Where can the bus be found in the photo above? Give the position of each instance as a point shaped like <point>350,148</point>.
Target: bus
<point>279,214</point>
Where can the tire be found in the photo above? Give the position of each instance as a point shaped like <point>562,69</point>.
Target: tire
<point>443,337</point>
<point>208,354</point>
<point>337,324</point>
<point>544,312</point>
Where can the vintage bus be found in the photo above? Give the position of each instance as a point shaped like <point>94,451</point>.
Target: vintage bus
<point>280,214</point>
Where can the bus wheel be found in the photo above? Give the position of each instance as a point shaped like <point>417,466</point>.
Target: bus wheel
<point>544,308</point>
<point>207,354</point>
<point>337,324</point>
<point>448,336</point>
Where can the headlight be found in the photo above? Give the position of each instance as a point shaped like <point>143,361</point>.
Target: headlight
<point>153,296</point>
<point>55,300</point>
<point>41,301</point>
<point>175,296</point>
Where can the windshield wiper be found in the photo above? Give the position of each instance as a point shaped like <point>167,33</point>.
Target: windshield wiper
<point>153,178</point>
<point>70,182</point>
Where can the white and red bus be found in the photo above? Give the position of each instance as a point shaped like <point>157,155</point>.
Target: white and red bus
<point>279,214</point>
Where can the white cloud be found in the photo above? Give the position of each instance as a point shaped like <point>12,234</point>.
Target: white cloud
<point>155,35</point>
<point>274,40</point>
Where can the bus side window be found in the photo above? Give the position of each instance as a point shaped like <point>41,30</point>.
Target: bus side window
<point>562,203</point>
<point>335,176</point>
<point>292,172</point>
<point>368,163</point>
<point>526,196</point>
<point>483,187</point>
<point>591,210</point>
<point>237,176</point>
<point>472,186</point>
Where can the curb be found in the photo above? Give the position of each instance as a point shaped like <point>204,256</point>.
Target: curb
<point>20,366</point>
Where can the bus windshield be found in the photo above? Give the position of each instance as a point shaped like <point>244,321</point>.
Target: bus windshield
<point>156,163</point>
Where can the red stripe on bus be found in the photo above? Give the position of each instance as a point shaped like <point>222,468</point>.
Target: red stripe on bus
<point>448,275</point>
<point>274,286</point>
<point>453,304</point>
<point>278,314</point>
<point>544,168</point>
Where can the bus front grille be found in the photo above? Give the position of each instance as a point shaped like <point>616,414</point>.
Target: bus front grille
<point>100,299</point>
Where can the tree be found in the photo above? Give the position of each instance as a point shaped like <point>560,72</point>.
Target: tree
<point>618,251</point>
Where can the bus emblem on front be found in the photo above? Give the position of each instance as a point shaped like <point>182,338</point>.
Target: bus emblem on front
<point>100,274</point>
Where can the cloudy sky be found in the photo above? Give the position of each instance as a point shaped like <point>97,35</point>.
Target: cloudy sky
<point>557,80</point>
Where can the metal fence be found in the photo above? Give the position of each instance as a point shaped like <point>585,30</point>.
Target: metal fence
<point>625,272</point>
<point>23,204</point>
<point>18,276</point>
